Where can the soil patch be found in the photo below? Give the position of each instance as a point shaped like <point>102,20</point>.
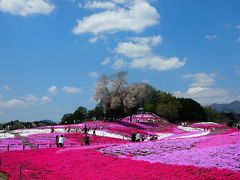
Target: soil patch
<point>3,176</point>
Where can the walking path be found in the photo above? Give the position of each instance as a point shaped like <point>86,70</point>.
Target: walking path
<point>3,176</point>
<point>24,140</point>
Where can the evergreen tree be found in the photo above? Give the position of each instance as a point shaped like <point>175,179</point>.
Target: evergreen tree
<point>191,111</point>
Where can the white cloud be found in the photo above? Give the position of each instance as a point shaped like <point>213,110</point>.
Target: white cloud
<point>71,90</point>
<point>210,36</point>
<point>118,64</point>
<point>94,74</point>
<point>207,96</point>
<point>7,88</point>
<point>155,40</point>
<point>238,26</point>
<point>31,99</point>
<point>202,91</point>
<point>200,79</point>
<point>138,46</point>
<point>157,63</point>
<point>140,52</point>
<point>26,7</point>
<point>67,89</point>
<point>25,101</point>
<point>196,90</point>
<point>146,81</point>
<point>105,62</point>
<point>100,5</point>
<point>238,40</point>
<point>136,17</point>
<point>151,41</point>
<point>53,89</point>
<point>46,100</point>
<point>119,1</point>
<point>133,50</point>
<point>14,103</point>
<point>93,40</point>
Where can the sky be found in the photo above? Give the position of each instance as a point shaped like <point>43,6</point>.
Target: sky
<point>52,52</point>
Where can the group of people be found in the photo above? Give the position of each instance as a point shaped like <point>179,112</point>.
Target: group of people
<point>184,124</point>
<point>136,137</point>
<point>86,129</point>
<point>59,141</point>
<point>152,137</point>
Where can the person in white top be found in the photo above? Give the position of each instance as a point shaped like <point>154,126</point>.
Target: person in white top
<point>138,136</point>
<point>60,141</point>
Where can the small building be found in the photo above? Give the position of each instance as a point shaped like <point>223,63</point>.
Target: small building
<point>142,116</point>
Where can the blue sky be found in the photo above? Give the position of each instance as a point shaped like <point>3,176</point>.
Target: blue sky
<point>53,51</point>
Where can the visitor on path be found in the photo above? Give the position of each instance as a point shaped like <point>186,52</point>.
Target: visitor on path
<point>85,129</point>
<point>69,128</point>
<point>151,137</point>
<point>94,131</point>
<point>238,127</point>
<point>149,120</point>
<point>138,137</point>
<point>148,137</point>
<point>52,129</point>
<point>60,141</point>
<point>57,141</point>
<point>133,137</point>
<point>142,137</point>
<point>87,140</point>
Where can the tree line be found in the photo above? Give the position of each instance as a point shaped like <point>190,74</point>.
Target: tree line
<point>116,98</point>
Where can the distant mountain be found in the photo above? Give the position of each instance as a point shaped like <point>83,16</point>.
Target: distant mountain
<point>47,121</point>
<point>232,107</point>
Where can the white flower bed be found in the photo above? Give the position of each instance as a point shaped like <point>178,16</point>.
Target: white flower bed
<point>192,135</point>
<point>207,123</point>
<point>27,132</point>
<point>6,135</point>
<point>107,134</point>
<point>190,129</point>
<point>164,135</point>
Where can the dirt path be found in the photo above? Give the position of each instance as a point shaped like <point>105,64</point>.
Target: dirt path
<point>3,176</point>
<point>24,140</point>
